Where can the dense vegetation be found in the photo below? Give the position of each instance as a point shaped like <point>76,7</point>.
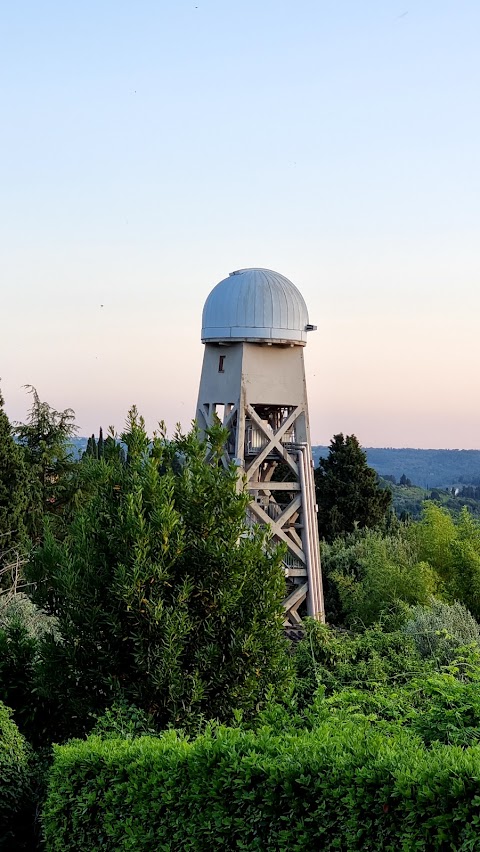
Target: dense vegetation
<point>348,492</point>
<point>160,595</point>
<point>343,785</point>
<point>140,614</point>
<point>408,500</point>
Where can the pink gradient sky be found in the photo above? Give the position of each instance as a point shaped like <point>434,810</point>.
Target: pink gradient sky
<point>151,149</point>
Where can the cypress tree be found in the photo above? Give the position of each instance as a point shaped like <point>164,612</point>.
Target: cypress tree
<point>347,490</point>
<point>91,450</point>
<point>100,445</point>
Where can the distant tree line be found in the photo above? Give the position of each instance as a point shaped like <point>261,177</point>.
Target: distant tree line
<point>425,468</point>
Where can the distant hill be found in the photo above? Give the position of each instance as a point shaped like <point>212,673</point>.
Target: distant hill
<point>425,468</point>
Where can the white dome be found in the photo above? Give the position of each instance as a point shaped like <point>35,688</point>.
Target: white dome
<point>256,305</point>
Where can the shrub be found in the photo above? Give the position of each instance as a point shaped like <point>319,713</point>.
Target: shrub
<point>446,710</point>
<point>342,786</point>
<point>333,660</point>
<point>372,577</point>
<point>440,629</point>
<point>164,595</point>
<point>14,788</point>
<point>19,609</point>
<point>452,548</point>
<point>376,706</point>
<point>124,721</point>
<point>23,626</point>
<point>439,708</point>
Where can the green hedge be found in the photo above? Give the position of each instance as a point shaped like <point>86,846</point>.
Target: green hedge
<point>13,781</point>
<point>343,786</point>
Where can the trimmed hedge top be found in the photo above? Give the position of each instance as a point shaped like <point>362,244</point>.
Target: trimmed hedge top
<point>342,786</point>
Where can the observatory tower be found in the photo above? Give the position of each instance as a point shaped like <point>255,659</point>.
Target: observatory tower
<point>254,328</point>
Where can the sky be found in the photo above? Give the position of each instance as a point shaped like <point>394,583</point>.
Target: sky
<point>149,148</point>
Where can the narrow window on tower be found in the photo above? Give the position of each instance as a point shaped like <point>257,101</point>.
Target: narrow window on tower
<point>221,361</point>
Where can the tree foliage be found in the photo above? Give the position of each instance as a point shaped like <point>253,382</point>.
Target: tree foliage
<point>163,594</point>
<point>94,448</point>
<point>347,490</point>
<point>23,627</point>
<point>372,576</point>
<point>156,605</point>
<point>453,550</point>
<point>45,440</point>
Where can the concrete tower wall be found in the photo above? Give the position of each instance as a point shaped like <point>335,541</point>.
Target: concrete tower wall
<point>262,374</point>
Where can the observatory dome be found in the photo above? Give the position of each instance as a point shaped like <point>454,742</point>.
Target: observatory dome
<point>256,305</point>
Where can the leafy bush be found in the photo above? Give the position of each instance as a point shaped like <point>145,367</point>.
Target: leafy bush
<point>18,652</point>
<point>21,610</point>
<point>452,549</point>
<point>333,660</point>
<point>164,595</point>
<point>440,708</point>
<point>342,786</point>
<point>446,710</point>
<point>14,784</point>
<point>372,577</point>
<point>382,678</point>
<point>23,627</point>
<point>440,629</point>
<point>123,721</point>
